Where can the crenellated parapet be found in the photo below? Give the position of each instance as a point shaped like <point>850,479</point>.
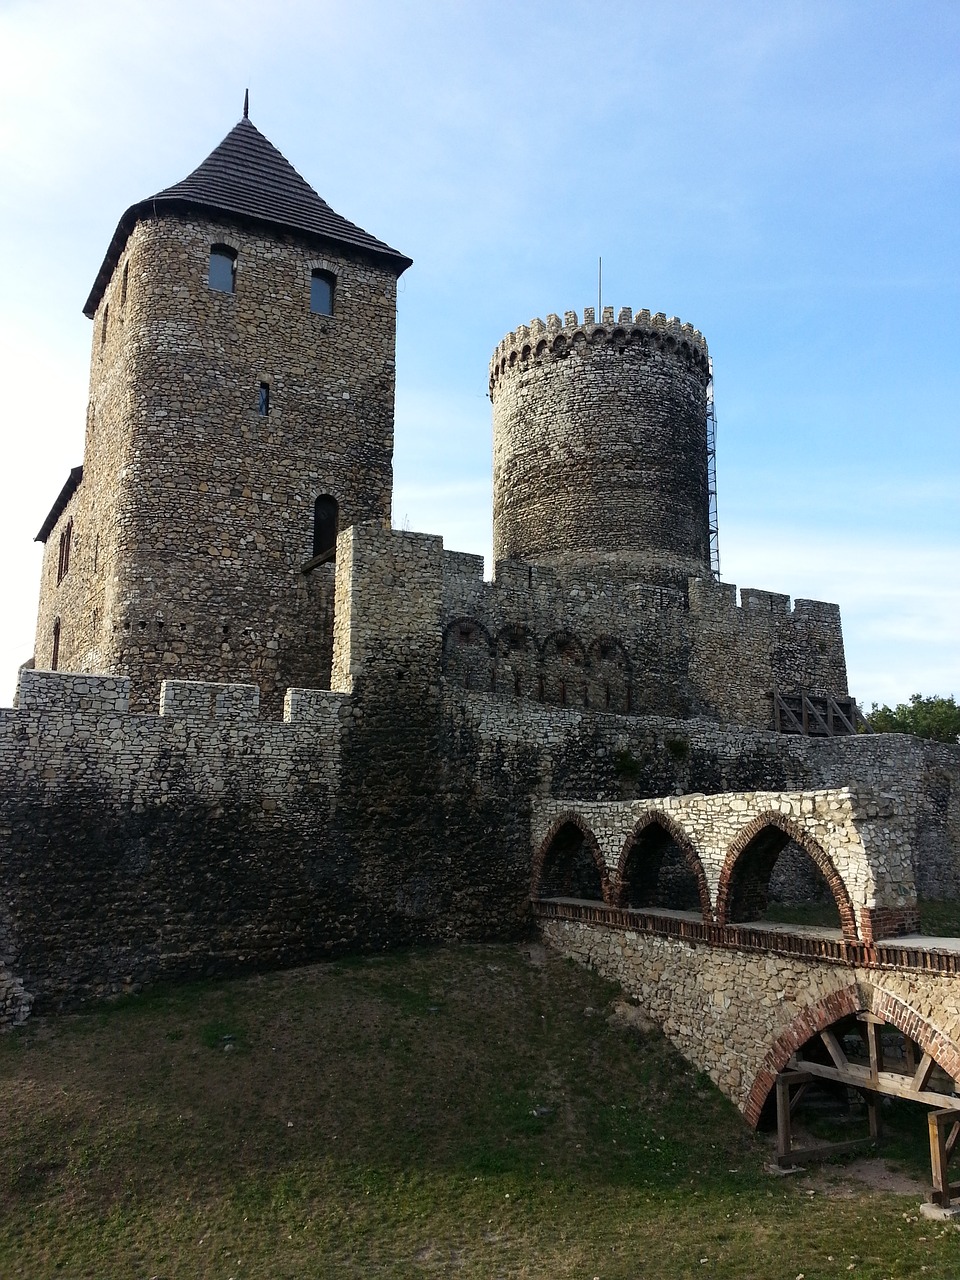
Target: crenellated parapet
<point>553,338</point>
<point>61,696</point>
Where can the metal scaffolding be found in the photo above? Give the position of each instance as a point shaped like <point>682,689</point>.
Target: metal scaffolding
<point>712,480</point>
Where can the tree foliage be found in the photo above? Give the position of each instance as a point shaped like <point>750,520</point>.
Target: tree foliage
<point>936,718</point>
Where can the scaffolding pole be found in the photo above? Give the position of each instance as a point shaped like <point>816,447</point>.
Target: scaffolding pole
<point>714,528</point>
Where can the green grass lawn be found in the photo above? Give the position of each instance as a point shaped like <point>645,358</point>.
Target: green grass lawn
<point>462,1112</point>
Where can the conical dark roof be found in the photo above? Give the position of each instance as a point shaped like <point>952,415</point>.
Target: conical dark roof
<point>246,176</point>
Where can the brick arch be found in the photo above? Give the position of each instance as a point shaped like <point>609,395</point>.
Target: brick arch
<point>860,998</point>
<point>683,842</point>
<point>596,647</point>
<point>570,818</point>
<point>562,640</point>
<point>562,669</point>
<point>609,674</point>
<point>473,623</point>
<point>793,831</point>
<point>467,656</point>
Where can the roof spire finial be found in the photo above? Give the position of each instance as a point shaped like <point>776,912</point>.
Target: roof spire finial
<point>246,104</point>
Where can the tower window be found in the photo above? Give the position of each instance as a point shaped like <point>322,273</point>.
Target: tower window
<point>123,283</point>
<point>321,292</point>
<point>326,520</point>
<point>104,323</point>
<point>263,399</point>
<point>63,561</point>
<point>223,268</point>
<point>55,658</point>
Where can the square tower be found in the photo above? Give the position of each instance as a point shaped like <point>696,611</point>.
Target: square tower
<point>241,411</point>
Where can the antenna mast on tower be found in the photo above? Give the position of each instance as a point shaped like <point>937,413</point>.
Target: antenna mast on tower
<point>714,527</point>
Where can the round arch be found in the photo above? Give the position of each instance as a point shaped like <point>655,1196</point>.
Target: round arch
<point>656,817</point>
<point>740,845</point>
<point>468,654</point>
<point>590,842</point>
<point>863,997</point>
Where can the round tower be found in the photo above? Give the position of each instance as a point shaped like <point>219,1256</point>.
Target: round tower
<point>600,446</point>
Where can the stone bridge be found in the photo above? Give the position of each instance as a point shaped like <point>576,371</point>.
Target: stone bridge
<point>670,898</point>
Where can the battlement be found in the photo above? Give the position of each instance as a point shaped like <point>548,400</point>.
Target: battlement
<point>209,699</point>
<point>557,337</point>
<point>66,693</point>
<point>707,596</point>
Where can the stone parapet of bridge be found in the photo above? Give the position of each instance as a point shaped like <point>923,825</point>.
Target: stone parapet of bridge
<point>859,839</point>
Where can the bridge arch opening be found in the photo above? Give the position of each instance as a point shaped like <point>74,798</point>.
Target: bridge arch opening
<point>569,863</point>
<point>773,870</point>
<point>660,868</point>
<point>850,1050</point>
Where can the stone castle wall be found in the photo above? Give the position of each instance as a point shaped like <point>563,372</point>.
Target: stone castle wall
<point>578,639</point>
<point>196,511</point>
<point>599,445</point>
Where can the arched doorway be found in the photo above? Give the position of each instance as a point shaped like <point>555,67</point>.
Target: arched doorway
<point>769,868</point>
<point>660,869</point>
<point>569,864</point>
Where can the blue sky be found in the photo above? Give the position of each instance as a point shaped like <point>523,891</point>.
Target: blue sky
<point>784,177</point>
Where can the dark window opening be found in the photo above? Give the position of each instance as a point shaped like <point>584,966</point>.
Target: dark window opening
<point>55,659</point>
<point>123,283</point>
<point>104,323</point>
<point>321,292</point>
<point>63,562</point>
<point>222,275</point>
<point>326,521</point>
<point>263,399</point>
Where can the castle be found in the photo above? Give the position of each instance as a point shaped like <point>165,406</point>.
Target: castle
<point>262,726</point>
<point>241,414</point>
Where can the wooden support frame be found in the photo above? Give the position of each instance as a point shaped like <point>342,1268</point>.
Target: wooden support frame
<point>873,1082</point>
<point>816,714</point>
<point>944,1128</point>
<point>787,1153</point>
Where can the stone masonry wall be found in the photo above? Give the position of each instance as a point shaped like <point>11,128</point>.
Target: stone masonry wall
<point>599,445</point>
<point>572,754</point>
<point>725,1010</point>
<point>580,640</point>
<point>195,511</point>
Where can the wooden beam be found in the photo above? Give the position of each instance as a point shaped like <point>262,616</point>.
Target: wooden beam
<point>808,707</point>
<point>829,1149</point>
<point>872,1031</point>
<point>937,1122</point>
<point>784,1127</point>
<point>849,724</point>
<point>835,1050</point>
<point>798,1093</point>
<point>891,1083</point>
<point>924,1071</point>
